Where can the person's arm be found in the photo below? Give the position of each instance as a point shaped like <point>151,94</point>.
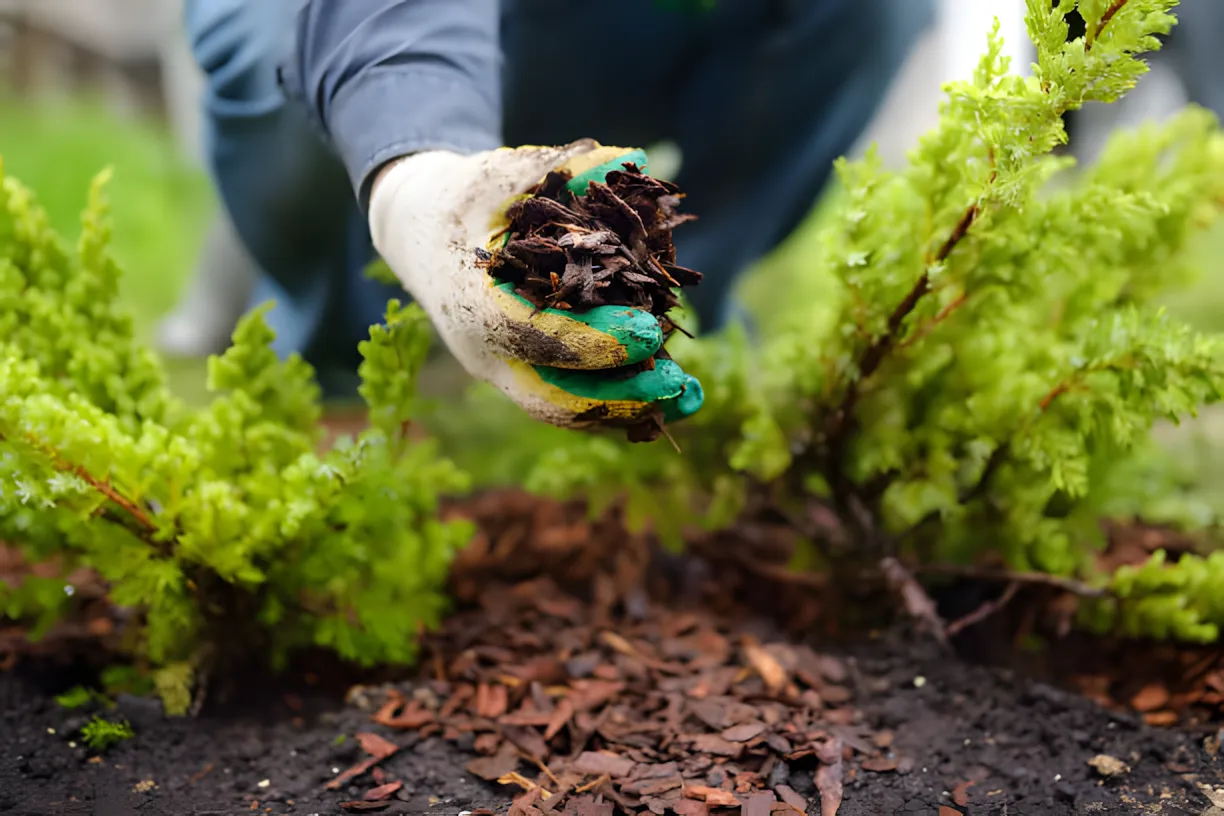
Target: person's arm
<point>408,92</point>
<point>387,78</point>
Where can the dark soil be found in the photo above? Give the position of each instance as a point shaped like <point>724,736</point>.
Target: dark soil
<point>1025,747</point>
<point>893,724</point>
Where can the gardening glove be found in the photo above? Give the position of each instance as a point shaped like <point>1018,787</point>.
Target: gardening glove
<point>432,213</point>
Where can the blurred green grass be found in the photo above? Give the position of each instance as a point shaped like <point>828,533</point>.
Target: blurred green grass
<point>160,202</point>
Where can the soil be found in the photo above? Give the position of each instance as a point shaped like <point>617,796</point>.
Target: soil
<point>1025,746</point>
<point>887,723</point>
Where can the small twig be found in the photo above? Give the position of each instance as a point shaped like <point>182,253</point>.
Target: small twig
<point>1071,585</point>
<point>539,763</point>
<point>918,603</point>
<point>593,785</point>
<point>943,315</point>
<point>663,430</point>
<point>1109,14</point>
<point>783,574</point>
<point>137,513</point>
<point>837,429</point>
<point>984,611</point>
<point>1054,394</point>
<point>515,778</point>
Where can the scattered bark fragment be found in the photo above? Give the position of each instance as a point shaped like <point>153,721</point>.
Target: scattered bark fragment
<point>376,746</point>
<point>960,794</point>
<point>791,797</point>
<point>505,761</point>
<point>352,773</point>
<point>879,764</point>
<point>744,731</point>
<point>599,763</point>
<point>691,807</point>
<point>382,792</point>
<point>1150,698</point>
<point>363,806</point>
<point>759,804</point>
<point>714,797</point>
<point>766,665</point>
<point>829,777</point>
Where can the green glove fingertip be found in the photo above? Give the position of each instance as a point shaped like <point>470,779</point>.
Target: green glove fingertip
<point>686,404</point>
<point>637,332</point>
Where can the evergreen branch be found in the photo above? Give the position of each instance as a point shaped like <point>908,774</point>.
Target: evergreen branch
<point>999,454</point>
<point>1095,34</point>
<point>102,486</point>
<point>838,428</point>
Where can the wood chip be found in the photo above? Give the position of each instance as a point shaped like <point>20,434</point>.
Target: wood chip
<point>382,792</point>
<point>766,665</point>
<point>599,763</point>
<point>744,731</point>
<point>791,797</point>
<point>879,764</point>
<point>363,806</point>
<point>714,744</point>
<point>375,745</point>
<point>494,767</point>
<point>829,777</point>
<point>715,797</point>
<point>1150,698</point>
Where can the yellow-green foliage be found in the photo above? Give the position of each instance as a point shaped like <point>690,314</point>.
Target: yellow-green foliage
<point>100,734</point>
<point>222,527</point>
<point>988,362</point>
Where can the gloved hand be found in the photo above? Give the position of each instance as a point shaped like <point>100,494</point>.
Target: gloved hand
<point>431,212</point>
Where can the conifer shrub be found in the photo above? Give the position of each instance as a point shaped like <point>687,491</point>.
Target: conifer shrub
<point>225,530</point>
<point>980,368</point>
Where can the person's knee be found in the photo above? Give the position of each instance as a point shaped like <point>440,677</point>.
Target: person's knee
<point>236,44</point>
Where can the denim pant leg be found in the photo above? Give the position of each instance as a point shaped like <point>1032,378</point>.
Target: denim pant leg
<point>286,192</point>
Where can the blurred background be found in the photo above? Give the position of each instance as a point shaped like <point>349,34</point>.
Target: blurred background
<point>89,83</point>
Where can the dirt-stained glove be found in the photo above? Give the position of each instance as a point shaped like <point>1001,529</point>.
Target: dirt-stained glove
<point>430,215</point>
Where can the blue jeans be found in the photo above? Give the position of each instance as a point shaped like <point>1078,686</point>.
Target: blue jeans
<point>761,96</point>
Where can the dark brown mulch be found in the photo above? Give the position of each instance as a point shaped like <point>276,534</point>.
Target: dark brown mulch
<point>610,246</point>
<point>583,665</point>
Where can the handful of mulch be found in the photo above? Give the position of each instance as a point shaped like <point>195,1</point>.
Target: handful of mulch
<point>610,247</point>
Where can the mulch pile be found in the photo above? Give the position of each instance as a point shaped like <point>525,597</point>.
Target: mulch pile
<point>610,246</point>
<point>590,705</point>
<point>624,691</point>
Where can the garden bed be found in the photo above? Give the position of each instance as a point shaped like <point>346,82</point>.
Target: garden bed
<point>583,663</point>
